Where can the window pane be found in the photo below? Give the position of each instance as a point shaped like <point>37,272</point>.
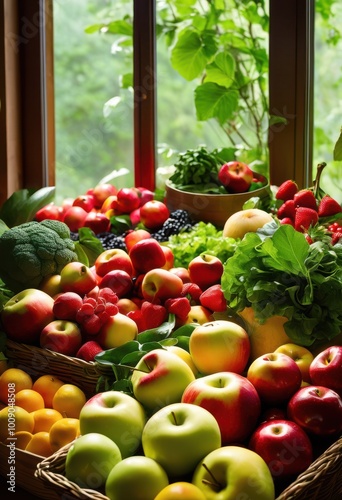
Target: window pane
<point>327,94</point>
<point>212,77</point>
<point>94,130</point>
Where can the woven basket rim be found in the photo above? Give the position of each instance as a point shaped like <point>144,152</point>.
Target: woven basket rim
<point>51,470</point>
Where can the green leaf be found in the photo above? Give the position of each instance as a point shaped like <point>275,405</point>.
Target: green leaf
<point>215,101</point>
<point>222,70</point>
<point>23,205</point>
<point>120,224</point>
<point>115,355</point>
<point>88,245</point>
<point>337,154</point>
<point>191,53</point>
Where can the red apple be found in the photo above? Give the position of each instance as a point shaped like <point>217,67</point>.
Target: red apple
<point>285,447</point>
<point>74,218</point>
<point>66,305</point>
<point>61,336</point>
<point>170,258</point>
<point>205,270</point>
<point>147,254</point>
<point>97,222</point>
<point>102,191</point>
<point>115,258</point>
<point>128,200</point>
<point>219,346</point>
<point>132,237</point>
<point>226,396</point>
<point>317,409</point>
<point>153,214</point>
<point>326,369</point>
<point>182,272</point>
<point>135,217</point>
<point>275,376</point>
<point>160,284</point>
<point>235,176</point>
<point>145,195</point>
<point>50,211</point>
<point>76,277</point>
<point>85,201</point>
<point>119,281</point>
<point>26,314</point>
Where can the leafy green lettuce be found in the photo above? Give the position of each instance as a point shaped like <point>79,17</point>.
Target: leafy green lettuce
<point>276,272</point>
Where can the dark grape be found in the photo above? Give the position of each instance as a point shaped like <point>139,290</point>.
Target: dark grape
<point>111,240</point>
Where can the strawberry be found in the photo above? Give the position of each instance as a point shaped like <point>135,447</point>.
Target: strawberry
<point>287,209</point>
<point>192,291</point>
<point>305,217</point>
<point>179,306</point>
<point>305,198</point>
<point>153,314</point>
<point>328,206</point>
<point>286,190</point>
<point>213,298</point>
<point>287,220</point>
<point>88,350</point>
<point>336,237</point>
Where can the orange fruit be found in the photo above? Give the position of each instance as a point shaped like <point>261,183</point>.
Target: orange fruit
<point>22,439</point>
<point>69,400</point>
<point>44,419</point>
<point>63,432</point>
<point>29,399</point>
<point>14,419</point>
<point>40,444</point>
<point>12,381</point>
<point>47,386</point>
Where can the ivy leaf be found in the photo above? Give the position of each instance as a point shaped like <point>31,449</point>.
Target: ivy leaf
<point>191,53</point>
<point>215,101</point>
<point>222,70</point>
<point>337,154</point>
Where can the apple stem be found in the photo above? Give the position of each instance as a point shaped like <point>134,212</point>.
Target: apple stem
<point>214,483</point>
<point>174,417</point>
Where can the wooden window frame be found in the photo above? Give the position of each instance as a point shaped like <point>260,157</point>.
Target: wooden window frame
<point>27,133</point>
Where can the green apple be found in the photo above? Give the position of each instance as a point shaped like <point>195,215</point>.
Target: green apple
<point>219,346</point>
<point>78,278</point>
<point>116,415</point>
<point>178,436</point>
<point>159,379</point>
<point>233,472</point>
<point>136,478</point>
<point>26,314</point>
<point>90,459</point>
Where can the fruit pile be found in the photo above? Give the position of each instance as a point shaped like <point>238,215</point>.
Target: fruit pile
<point>39,416</point>
<point>173,420</point>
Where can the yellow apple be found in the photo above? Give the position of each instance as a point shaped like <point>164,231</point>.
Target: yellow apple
<point>301,355</point>
<point>245,221</point>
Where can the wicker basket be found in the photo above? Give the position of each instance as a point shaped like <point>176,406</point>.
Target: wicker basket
<point>322,480</point>
<point>36,362</point>
<point>24,473</point>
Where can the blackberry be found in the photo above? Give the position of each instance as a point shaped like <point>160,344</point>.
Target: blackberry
<point>73,236</point>
<point>179,221</point>
<point>111,240</point>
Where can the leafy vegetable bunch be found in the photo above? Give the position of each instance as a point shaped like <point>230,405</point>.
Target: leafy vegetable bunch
<point>276,272</point>
<point>197,170</point>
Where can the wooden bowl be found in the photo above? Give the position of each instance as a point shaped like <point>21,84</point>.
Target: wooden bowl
<point>214,208</point>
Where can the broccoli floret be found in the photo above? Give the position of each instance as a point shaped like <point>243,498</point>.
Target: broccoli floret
<point>33,250</point>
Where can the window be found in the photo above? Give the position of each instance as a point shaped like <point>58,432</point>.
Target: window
<point>27,101</point>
